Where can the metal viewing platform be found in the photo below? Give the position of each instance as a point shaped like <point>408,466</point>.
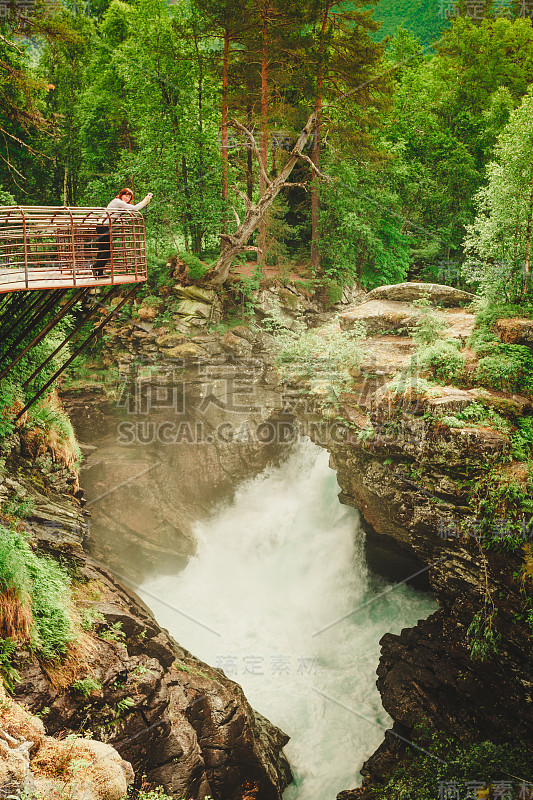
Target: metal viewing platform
<point>56,247</point>
<point>50,260</point>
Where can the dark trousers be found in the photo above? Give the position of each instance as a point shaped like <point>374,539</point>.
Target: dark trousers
<point>104,250</point>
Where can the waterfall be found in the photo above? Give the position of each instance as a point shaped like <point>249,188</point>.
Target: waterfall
<point>274,568</point>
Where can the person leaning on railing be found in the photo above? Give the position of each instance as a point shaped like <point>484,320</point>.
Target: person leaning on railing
<point>122,202</point>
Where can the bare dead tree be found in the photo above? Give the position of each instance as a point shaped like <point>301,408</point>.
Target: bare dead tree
<point>237,242</point>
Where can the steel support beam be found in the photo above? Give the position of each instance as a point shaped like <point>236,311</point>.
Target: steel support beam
<point>40,314</point>
<point>69,361</point>
<point>31,304</point>
<point>48,327</point>
<point>87,316</point>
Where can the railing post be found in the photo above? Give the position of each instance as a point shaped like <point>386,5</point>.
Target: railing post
<point>135,229</point>
<point>143,248</point>
<point>72,246</point>
<point>111,248</point>
<point>25,238</point>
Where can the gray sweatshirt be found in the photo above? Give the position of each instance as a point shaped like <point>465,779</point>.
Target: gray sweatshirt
<point>120,205</point>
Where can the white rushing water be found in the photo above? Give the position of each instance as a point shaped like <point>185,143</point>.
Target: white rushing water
<point>280,562</point>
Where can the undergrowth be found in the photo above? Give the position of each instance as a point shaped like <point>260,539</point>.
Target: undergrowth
<point>325,360</point>
<point>450,769</point>
<point>34,598</point>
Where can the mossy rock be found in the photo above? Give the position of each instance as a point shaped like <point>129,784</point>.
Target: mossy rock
<point>511,407</point>
<point>289,299</point>
<point>170,340</point>
<point>186,350</point>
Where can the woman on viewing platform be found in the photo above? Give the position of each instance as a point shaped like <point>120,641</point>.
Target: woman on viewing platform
<point>122,202</point>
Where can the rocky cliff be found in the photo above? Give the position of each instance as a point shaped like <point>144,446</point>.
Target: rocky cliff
<point>414,476</point>
<point>180,723</point>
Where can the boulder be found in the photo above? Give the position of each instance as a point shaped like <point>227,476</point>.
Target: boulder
<point>41,766</point>
<point>243,332</point>
<point>380,316</point>
<point>147,313</point>
<point>236,345</point>
<point>170,340</point>
<point>407,292</point>
<point>185,350</point>
<point>515,331</point>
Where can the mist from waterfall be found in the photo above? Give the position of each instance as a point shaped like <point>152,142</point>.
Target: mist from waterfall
<point>274,567</point>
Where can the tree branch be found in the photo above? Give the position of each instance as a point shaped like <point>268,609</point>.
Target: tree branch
<point>249,135</point>
<point>315,168</point>
<point>238,242</point>
<point>236,217</point>
<point>35,152</point>
<point>11,44</point>
<point>291,185</point>
<point>247,202</point>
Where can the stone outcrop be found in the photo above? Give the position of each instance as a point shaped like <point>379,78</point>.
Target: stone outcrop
<point>72,768</point>
<point>408,465</point>
<point>437,293</point>
<point>515,331</point>
<point>410,474</point>
<point>380,316</point>
<point>385,317</point>
<point>179,722</point>
<point>411,484</point>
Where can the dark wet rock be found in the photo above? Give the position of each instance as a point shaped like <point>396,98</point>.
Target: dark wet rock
<point>408,480</point>
<point>178,721</point>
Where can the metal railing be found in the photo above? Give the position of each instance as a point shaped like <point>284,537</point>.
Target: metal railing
<point>57,248</point>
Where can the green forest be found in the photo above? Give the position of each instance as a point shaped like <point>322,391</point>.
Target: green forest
<point>338,220</point>
<point>424,143</point>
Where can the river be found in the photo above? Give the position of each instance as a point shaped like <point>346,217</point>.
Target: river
<point>269,582</point>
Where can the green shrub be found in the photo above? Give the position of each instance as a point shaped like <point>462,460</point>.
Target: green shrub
<point>423,777</point>
<point>482,638</point>
<point>429,325</point>
<point>158,273</point>
<point>522,439</point>
<point>37,583</point>
<point>8,672</point>
<point>509,368</point>
<point>443,360</point>
<point>18,506</point>
<point>490,312</point>
<point>451,421</point>
<point>477,413</point>
<point>151,300</point>
<point>86,686</point>
<point>197,269</point>
<point>156,794</point>
<point>325,359</point>
<point>9,395</point>
<point>6,199</point>
<point>483,337</point>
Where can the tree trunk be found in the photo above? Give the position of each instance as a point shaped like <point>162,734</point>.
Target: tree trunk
<point>225,83</point>
<point>249,163</point>
<point>236,243</point>
<point>65,179</point>
<point>527,256</point>
<point>315,153</point>
<point>264,125</point>
<point>192,227</point>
